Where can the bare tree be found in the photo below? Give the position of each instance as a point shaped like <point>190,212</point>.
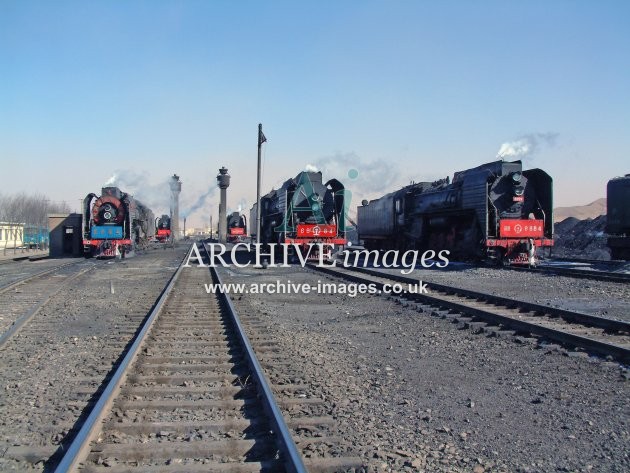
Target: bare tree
<point>29,209</point>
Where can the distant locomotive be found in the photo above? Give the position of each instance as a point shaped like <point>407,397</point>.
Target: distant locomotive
<point>236,227</point>
<point>302,211</point>
<point>495,211</point>
<point>163,228</point>
<point>115,224</point>
<point>618,217</point>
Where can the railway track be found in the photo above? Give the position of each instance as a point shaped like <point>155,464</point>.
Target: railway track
<point>597,275</point>
<point>596,335</point>
<point>191,395</point>
<point>22,299</point>
<point>13,275</point>
<point>52,368</point>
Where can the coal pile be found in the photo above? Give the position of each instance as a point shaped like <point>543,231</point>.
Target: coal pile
<point>584,239</point>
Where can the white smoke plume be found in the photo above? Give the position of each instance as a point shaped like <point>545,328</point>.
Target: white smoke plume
<point>310,168</point>
<point>111,181</point>
<point>526,146</point>
<point>241,207</point>
<point>199,203</point>
<point>158,196</point>
<point>356,174</point>
<point>154,196</point>
<point>362,179</point>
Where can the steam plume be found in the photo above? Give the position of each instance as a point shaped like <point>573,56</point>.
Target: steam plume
<point>241,207</point>
<point>200,203</point>
<point>526,146</point>
<point>371,177</point>
<point>154,196</point>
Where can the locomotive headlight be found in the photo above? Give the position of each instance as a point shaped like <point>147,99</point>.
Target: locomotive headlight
<point>109,212</point>
<point>519,191</point>
<point>516,177</point>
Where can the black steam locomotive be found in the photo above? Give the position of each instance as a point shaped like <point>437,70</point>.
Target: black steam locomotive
<point>495,211</point>
<point>618,217</point>
<point>163,228</point>
<point>302,211</point>
<point>115,224</point>
<point>236,227</point>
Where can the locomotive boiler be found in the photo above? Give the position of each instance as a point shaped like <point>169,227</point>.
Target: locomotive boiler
<point>618,217</point>
<point>496,211</point>
<point>236,227</point>
<point>163,228</point>
<point>303,211</point>
<point>115,224</point>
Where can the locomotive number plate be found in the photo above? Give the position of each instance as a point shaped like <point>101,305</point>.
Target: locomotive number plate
<point>316,231</point>
<point>522,228</point>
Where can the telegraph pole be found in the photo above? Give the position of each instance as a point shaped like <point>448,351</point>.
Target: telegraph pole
<point>261,140</point>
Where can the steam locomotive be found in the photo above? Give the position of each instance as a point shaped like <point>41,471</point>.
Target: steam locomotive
<point>302,211</point>
<point>115,224</point>
<point>163,228</point>
<point>618,217</point>
<point>236,227</point>
<point>495,211</point>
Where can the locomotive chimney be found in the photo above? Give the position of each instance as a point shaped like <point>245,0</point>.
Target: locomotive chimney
<point>223,180</point>
<point>176,188</point>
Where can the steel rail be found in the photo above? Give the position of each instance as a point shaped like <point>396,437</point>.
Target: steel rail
<point>293,459</point>
<point>578,273</point>
<point>585,260</point>
<point>80,446</point>
<point>13,284</point>
<point>595,346</point>
<point>19,323</point>
<point>569,315</point>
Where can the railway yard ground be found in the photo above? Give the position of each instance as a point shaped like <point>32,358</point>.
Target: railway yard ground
<point>8,255</point>
<point>408,388</point>
<point>53,365</point>
<point>595,297</point>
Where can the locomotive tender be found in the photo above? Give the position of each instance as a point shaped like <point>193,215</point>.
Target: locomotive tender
<point>618,217</point>
<point>496,210</point>
<point>115,224</point>
<point>302,211</point>
<point>163,228</point>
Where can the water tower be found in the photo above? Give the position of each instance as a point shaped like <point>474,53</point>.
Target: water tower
<point>223,179</point>
<point>176,188</point>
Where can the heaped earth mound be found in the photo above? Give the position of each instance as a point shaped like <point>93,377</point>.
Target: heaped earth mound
<point>584,239</point>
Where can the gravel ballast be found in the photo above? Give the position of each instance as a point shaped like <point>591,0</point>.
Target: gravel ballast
<point>414,392</point>
<point>52,367</point>
<point>410,392</point>
<point>606,299</point>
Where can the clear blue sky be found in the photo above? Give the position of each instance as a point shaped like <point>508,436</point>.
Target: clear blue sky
<point>409,90</point>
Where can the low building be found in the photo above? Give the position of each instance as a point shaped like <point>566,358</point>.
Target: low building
<point>197,232</point>
<point>66,238</point>
<point>11,235</point>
